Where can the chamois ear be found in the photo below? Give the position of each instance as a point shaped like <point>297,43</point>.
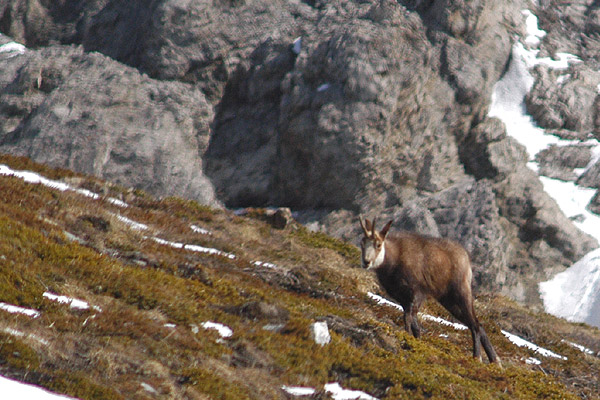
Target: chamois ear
<point>386,228</point>
<point>366,225</point>
<point>362,225</point>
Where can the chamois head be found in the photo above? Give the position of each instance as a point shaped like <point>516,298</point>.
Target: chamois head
<point>372,244</point>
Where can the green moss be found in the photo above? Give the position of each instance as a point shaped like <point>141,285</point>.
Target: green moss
<point>78,385</point>
<point>210,383</point>
<point>320,240</point>
<point>16,354</point>
<point>188,209</point>
<point>23,163</point>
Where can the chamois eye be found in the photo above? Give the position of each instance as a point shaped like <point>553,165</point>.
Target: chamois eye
<point>378,245</point>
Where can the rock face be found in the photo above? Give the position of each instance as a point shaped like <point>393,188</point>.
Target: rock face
<point>89,113</point>
<point>331,107</point>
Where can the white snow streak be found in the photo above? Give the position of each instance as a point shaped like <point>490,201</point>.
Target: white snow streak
<point>579,347</point>
<point>12,49</point>
<point>137,226</point>
<point>518,341</point>
<point>339,393</point>
<point>19,310</point>
<point>298,390</point>
<point>202,231</point>
<point>12,389</point>
<point>194,247</point>
<point>37,179</point>
<point>336,391</point>
<point>223,330</point>
<point>73,303</point>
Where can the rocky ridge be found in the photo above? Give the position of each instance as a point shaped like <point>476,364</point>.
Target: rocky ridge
<point>330,108</point>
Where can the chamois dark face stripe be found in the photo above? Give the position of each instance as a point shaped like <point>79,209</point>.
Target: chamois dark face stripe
<point>411,267</point>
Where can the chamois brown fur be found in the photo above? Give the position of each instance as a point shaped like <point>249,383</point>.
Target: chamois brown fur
<point>413,267</point>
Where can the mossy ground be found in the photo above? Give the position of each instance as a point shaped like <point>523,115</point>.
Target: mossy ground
<point>152,298</point>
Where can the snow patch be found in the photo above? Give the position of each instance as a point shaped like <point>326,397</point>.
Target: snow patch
<point>17,333</point>
<point>534,34</point>
<point>442,321</point>
<point>148,388</point>
<point>12,49</point>
<point>265,264</point>
<point>520,342</point>
<point>574,293</point>
<point>12,389</point>
<point>19,310</point>
<point>202,231</point>
<point>336,391</point>
<point>579,347</point>
<point>137,226</point>
<point>193,247</point>
<point>339,393</point>
<point>73,303</point>
<point>298,390</point>
<point>37,179</point>
<point>320,333</point>
<point>223,330</point>
<point>532,361</point>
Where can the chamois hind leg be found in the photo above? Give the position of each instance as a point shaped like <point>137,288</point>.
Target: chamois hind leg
<point>487,346</point>
<point>484,341</point>
<point>462,309</point>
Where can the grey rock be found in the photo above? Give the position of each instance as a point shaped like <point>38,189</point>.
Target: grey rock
<point>488,152</point>
<point>416,218</point>
<point>590,177</point>
<point>467,212</point>
<point>560,162</point>
<point>594,205</point>
<point>566,103</point>
<point>94,115</point>
<point>524,203</point>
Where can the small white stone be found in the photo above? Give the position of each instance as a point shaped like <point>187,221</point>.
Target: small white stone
<point>320,333</point>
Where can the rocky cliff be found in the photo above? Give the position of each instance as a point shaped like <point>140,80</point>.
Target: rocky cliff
<point>332,108</point>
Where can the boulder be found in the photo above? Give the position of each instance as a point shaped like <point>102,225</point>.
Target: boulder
<point>467,212</point>
<point>560,162</point>
<point>590,177</point>
<point>523,202</point>
<point>488,152</point>
<point>87,112</point>
<point>565,99</point>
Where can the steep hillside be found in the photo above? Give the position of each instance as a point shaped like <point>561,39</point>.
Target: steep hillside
<point>109,293</point>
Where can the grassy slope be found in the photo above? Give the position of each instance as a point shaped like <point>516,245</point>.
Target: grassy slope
<point>141,285</point>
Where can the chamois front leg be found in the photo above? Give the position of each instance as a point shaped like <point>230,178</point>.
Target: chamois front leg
<point>411,324</point>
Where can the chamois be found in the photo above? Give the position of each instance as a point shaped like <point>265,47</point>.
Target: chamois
<point>411,267</point>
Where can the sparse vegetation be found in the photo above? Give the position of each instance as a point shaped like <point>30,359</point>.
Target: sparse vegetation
<point>139,287</point>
